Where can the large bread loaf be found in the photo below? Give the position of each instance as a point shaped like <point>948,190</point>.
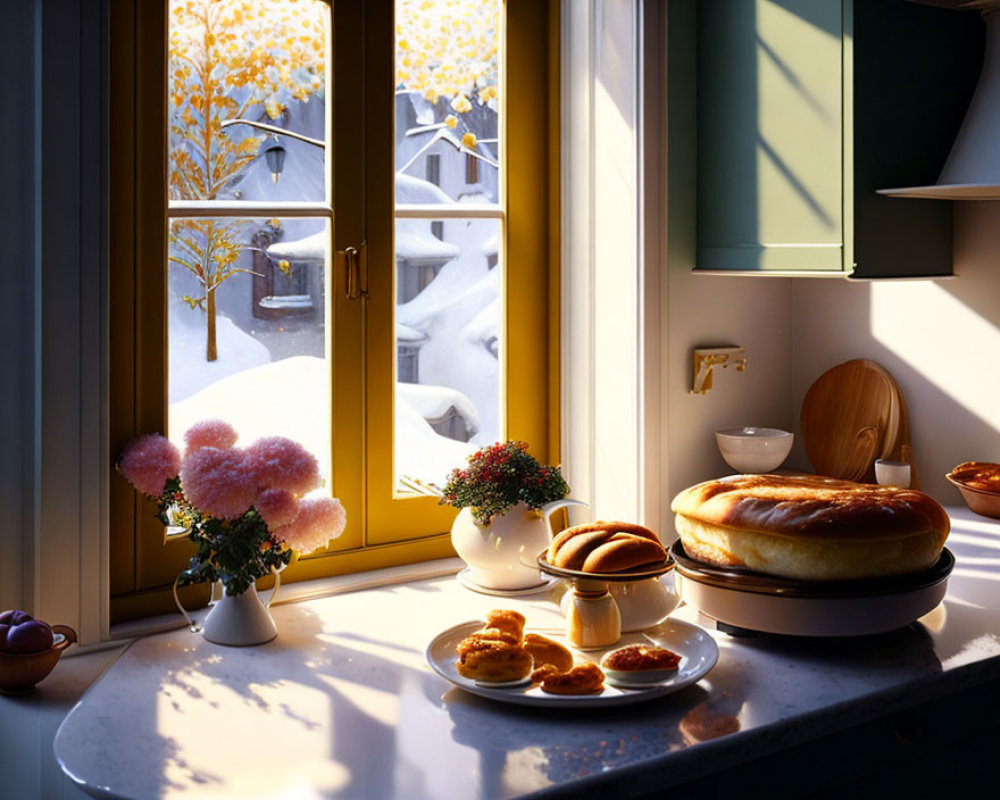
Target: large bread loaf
<point>810,528</point>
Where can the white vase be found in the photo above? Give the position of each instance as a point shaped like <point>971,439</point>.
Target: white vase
<point>240,620</point>
<point>501,553</point>
<point>237,620</point>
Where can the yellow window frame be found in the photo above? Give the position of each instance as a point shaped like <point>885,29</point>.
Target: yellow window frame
<point>383,530</point>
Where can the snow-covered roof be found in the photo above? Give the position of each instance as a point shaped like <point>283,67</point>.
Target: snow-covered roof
<point>442,133</point>
<point>415,242</point>
<point>489,247</point>
<point>311,249</point>
<point>417,190</point>
<point>434,402</point>
<point>409,335</point>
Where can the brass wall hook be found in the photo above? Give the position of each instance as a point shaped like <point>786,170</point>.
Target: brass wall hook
<point>706,358</point>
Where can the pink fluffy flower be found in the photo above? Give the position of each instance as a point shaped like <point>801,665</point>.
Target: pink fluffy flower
<point>277,507</point>
<point>148,462</point>
<point>319,520</point>
<point>216,482</point>
<point>279,463</point>
<point>209,433</point>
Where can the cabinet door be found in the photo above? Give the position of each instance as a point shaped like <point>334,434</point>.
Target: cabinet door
<point>770,136</point>
<point>915,68</point>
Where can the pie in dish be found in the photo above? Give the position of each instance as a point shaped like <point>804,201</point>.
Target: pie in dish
<point>810,528</point>
<point>980,475</point>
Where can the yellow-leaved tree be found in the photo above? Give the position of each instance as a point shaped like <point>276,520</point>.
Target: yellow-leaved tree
<point>447,51</point>
<point>230,59</point>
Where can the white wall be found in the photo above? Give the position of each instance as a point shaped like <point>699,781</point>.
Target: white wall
<point>940,340</point>
<point>755,313</point>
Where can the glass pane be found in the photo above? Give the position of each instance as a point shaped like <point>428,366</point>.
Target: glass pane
<point>447,100</point>
<point>448,290</point>
<point>265,65</point>
<point>247,335</point>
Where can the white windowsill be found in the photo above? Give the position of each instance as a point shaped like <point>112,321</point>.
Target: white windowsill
<point>290,593</point>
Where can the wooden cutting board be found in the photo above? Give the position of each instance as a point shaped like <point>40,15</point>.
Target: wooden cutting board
<point>853,414</point>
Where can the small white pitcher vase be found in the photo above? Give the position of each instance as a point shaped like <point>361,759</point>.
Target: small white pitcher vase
<point>237,620</point>
<point>501,553</point>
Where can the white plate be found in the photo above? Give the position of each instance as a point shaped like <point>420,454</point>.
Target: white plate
<point>468,583</point>
<point>697,649</point>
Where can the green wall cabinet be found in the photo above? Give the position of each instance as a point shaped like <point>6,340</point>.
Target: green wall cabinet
<point>805,109</point>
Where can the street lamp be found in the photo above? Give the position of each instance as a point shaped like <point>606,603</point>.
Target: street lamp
<point>274,153</point>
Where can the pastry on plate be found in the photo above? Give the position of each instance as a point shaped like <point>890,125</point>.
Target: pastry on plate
<point>586,678</point>
<point>493,661</point>
<point>493,654</point>
<point>605,547</point>
<point>504,619</point>
<point>810,528</point>
<point>545,651</point>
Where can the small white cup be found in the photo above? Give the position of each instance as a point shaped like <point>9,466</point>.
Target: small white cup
<point>892,473</point>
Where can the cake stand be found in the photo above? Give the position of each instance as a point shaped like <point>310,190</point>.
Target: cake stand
<point>592,616</point>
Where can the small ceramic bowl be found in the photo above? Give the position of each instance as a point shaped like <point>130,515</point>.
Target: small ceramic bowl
<point>979,501</point>
<point>19,672</point>
<point>754,450</point>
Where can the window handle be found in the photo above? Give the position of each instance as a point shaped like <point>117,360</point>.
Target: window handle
<point>357,278</point>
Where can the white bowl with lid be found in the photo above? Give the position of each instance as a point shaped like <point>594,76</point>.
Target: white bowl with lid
<point>752,451</point>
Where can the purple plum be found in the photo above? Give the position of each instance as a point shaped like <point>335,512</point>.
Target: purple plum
<point>31,636</point>
<point>14,617</point>
<point>3,636</point>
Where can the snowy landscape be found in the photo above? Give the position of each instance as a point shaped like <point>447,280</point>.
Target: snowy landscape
<point>272,376</point>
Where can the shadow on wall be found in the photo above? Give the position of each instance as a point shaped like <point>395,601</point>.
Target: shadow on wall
<point>936,338</point>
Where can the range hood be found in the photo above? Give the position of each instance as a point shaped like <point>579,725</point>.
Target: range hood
<point>972,171</point>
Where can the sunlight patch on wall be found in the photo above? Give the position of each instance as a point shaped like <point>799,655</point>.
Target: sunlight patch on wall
<point>941,337</point>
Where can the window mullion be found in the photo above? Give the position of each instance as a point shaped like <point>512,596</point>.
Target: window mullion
<point>449,211</point>
<point>247,208</point>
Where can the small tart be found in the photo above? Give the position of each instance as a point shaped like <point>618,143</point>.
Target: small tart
<point>640,657</point>
<point>640,665</point>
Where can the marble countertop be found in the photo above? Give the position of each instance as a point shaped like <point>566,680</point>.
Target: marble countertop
<point>343,704</point>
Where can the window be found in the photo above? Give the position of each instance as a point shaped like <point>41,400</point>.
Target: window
<point>471,168</point>
<point>316,263</point>
<point>433,166</point>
